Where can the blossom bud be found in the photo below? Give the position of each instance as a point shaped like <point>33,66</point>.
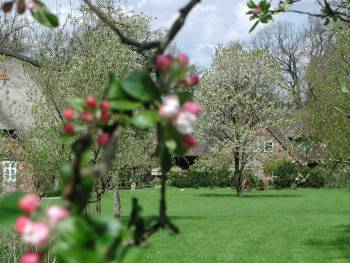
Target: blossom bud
<point>29,203</point>
<point>56,214</point>
<point>184,121</point>
<point>32,5</point>
<point>103,139</point>
<point>104,106</point>
<point>87,116</point>
<point>192,80</point>
<point>31,257</point>
<point>68,128</point>
<point>21,223</point>
<point>91,102</point>
<point>193,107</point>
<point>68,114</point>
<point>170,106</point>
<point>36,234</point>
<point>183,59</point>
<point>257,11</point>
<point>163,62</point>
<point>195,80</point>
<point>190,140</point>
<point>105,116</point>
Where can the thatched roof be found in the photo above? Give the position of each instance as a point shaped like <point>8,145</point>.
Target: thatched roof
<point>13,54</point>
<point>18,82</point>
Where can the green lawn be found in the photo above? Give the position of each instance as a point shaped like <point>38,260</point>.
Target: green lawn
<point>273,226</point>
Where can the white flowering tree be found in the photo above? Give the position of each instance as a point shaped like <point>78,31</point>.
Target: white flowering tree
<point>240,95</point>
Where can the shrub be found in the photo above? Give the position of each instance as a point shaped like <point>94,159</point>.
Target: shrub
<point>186,179</point>
<point>283,172</point>
<point>315,177</point>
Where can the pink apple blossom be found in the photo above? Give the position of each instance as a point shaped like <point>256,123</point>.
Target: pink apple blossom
<point>56,214</point>
<point>31,257</point>
<point>193,107</point>
<point>170,106</point>
<point>21,223</point>
<point>36,234</point>
<point>192,80</point>
<point>184,121</point>
<point>29,203</point>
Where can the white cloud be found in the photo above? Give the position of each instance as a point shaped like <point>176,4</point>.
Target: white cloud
<point>210,23</point>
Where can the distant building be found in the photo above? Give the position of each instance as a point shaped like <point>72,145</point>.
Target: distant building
<point>17,81</point>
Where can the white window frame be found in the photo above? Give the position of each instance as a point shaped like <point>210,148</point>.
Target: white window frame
<point>268,143</point>
<point>9,171</point>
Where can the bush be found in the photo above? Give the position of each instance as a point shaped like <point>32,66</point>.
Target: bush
<point>340,178</point>
<point>186,179</point>
<point>315,178</point>
<point>284,172</point>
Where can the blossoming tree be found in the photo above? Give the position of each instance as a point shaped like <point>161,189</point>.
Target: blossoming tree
<point>240,94</point>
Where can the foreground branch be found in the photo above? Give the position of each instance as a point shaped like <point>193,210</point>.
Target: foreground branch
<point>178,24</point>
<point>140,46</point>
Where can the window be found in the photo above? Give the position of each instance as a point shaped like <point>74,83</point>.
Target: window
<point>268,147</point>
<point>9,171</point>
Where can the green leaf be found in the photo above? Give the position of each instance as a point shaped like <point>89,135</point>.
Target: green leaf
<point>251,4</point>
<point>177,71</point>
<point>75,243</point>
<point>86,157</point>
<point>140,86</point>
<point>185,96</point>
<point>145,119</point>
<point>66,173</point>
<point>109,230</point>
<point>114,90</point>
<point>78,104</point>
<point>9,209</point>
<point>326,22</point>
<point>44,16</point>
<point>133,255</point>
<point>171,145</point>
<point>125,105</point>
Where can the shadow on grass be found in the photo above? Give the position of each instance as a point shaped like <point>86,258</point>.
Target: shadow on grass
<point>153,219</point>
<point>233,195</point>
<point>340,243</point>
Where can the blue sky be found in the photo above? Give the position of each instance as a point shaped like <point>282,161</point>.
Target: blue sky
<point>210,23</point>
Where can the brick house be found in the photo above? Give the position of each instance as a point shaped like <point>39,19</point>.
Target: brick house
<point>17,80</point>
<point>270,144</point>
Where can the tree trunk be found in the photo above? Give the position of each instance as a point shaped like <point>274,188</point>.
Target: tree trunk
<point>117,204</point>
<point>162,208</point>
<point>237,175</point>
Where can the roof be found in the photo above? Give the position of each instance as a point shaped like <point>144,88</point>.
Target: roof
<point>16,87</point>
<point>198,150</point>
<point>13,54</point>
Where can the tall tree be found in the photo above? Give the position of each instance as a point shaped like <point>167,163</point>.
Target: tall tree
<point>327,108</point>
<point>240,94</point>
<point>75,60</point>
